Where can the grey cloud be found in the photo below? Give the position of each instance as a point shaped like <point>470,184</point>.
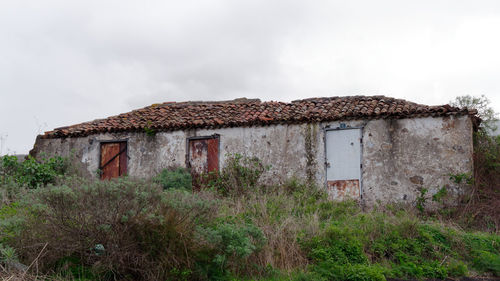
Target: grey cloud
<point>64,62</point>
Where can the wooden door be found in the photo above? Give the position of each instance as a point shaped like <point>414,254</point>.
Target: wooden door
<point>203,157</point>
<point>113,159</point>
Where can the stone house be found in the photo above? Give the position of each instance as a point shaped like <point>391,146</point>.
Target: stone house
<point>373,148</point>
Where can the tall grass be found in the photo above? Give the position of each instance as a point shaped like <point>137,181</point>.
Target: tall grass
<point>131,229</point>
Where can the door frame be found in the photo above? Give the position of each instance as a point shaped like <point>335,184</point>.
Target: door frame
<point>361,132</point>
<point>188,152</point>
<point>112,141</point>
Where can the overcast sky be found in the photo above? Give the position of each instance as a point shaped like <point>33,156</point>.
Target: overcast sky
<point>66,62</point>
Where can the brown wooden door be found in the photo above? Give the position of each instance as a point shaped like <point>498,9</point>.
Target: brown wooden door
<point>113,159</point>
<point>203,157</point>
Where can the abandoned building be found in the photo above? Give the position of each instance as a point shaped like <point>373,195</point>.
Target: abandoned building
<point>373,148</point>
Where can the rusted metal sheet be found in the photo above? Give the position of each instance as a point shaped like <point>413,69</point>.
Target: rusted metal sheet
<point>343,189</point>
<point>213,155</point>
<point>198,154</point>
<point>203,158</point>
<point>113,159</point>
<point>343,163</point>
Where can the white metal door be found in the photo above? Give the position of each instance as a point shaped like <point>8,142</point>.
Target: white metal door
<point>343,163</point>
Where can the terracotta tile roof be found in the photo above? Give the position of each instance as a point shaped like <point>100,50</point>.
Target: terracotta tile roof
<point>247,112</point>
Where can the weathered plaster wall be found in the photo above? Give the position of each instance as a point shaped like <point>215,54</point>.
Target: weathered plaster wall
<point>282,146</point>
<point>399,156</point>
<point>403,156</point>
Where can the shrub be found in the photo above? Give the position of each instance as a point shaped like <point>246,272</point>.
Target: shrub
<point>239,176</point>
<point>31,172</point>
<point>10,191</point>
<point>356,272</point>
<point>337,254</point>
<point>484,198</point>
<point>126,229</point>
<point>284,214</point>
<point>12,218</point>
<point>404,245</point>
<point>174,178</point>
<point>486,261</point>
<point>230,244</point>
<point>336,246</point>
<point>130,228</point>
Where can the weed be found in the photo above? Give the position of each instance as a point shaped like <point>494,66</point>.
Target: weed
<point>174,178</point>
<point>239,176</point>
<point>421,200</point>
<point>149,130</point>
<point>231,244</point>
<point>440,195</point>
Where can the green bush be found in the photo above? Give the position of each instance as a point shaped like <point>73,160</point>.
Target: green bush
<point>175,178</point>
<point>128,229</point>
<point>457,269</point>
<point>307,276</point>
<point>239,176</point>
<point>403,244</point>
<point>131,228</point>
<point>31,172</point>
<point>355,272</point>
<point>336,246</point>
<point>230,245</point>
<point>12,218</point>
<point>486,261</point>
<point>338,255</point>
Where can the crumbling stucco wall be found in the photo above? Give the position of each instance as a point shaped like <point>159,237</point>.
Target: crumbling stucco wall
<point>281,146</point>
<point>399,156</point>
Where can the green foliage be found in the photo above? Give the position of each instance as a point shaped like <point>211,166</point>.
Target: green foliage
<point>230,244</point>
<point>7,254</point>
<point>239,176</point>
<point>175,178</point>
<point>356,272</point>
<point>339,255</point>
<point>486,261</point>
<point>336,246</point>
<point>398,246</point>
<point>307,276</point>
<point>457,269</point>
<point>481,205</point>
<point>72,268</point>
<point>462,178</point>
<point>143,230</point>
<point>484,251</point>
<point>150,132</point>
<point>489,149</point>
<point>421,200</point>
<point>129,229</point>
<point>483,106</point>
<point>31,172</point>
<point>12,218</point>
<point>438,196</point>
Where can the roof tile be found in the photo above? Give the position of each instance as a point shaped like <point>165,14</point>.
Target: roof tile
<point>244,112</point>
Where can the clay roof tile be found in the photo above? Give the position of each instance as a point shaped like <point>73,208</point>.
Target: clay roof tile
<point>247,112</point>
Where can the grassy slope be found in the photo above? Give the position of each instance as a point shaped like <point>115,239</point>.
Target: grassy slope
<point>339,241</point>
<point>253,232</point>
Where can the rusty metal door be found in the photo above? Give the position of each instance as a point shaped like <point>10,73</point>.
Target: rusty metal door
<point>343,163</point>
<point>203,157</point>
<point>113,159</point>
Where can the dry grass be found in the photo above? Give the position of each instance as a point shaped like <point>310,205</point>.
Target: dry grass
<point>146,232</point>
<point>282,220</point>
<point>483,202</point>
